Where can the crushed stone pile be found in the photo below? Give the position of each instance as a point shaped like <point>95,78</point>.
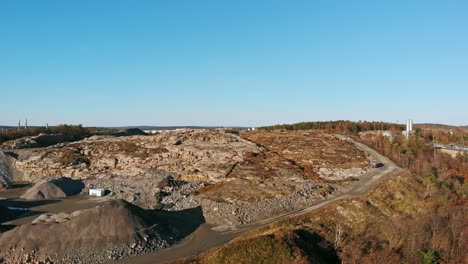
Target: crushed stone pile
<point>130,132</point>
<point>110,231</point>
<point>55,188</point>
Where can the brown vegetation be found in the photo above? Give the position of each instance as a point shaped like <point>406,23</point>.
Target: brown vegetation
<point>279,247</point>
<point>415,216</point>
<point>418,154</point>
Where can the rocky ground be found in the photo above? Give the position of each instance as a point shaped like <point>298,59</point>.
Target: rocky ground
<point>319,154</point>
<point>193,154</point>
<point>216,168</point>
<point>231,178</point>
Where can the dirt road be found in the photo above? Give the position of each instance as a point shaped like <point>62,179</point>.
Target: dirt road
<point>209,236</point>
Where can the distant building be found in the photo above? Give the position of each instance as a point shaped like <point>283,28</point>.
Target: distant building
<point>452,150</point>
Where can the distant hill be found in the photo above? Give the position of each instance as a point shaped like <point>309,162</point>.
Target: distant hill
<point>440,126</point>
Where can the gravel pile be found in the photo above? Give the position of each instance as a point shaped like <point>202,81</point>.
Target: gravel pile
<point>111,231</point>
<point>243,212</point>
<point>54,188</point>
<point>182,197</point>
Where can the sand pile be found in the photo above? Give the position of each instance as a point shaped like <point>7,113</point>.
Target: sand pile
<point>55,188</point>
<point>110,231</point>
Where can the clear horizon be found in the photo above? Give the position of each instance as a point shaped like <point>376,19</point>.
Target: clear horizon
<point>242,63</point>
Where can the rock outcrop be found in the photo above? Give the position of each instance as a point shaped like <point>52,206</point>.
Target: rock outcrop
<point>41,140</point>
<point>204,155</point>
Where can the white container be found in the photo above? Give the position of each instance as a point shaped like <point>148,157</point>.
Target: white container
<point>97,192</point>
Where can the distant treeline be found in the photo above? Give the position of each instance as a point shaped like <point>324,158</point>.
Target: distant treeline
<point>74,132</point>
<point>340,126</point>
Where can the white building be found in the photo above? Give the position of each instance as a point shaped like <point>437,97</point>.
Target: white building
<point>97,192</point>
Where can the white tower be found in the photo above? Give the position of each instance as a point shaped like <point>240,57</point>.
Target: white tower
<point>409,127</point>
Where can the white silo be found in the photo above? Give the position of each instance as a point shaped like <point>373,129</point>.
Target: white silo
<point>409,127</point>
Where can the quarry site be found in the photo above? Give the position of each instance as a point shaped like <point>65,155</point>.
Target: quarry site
<point>233,132</point>
<point>159,189</point>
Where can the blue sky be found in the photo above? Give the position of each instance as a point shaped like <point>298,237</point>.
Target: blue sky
<point>247,63</point>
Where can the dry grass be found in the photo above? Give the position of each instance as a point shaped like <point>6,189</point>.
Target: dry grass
<point>272,248</point>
